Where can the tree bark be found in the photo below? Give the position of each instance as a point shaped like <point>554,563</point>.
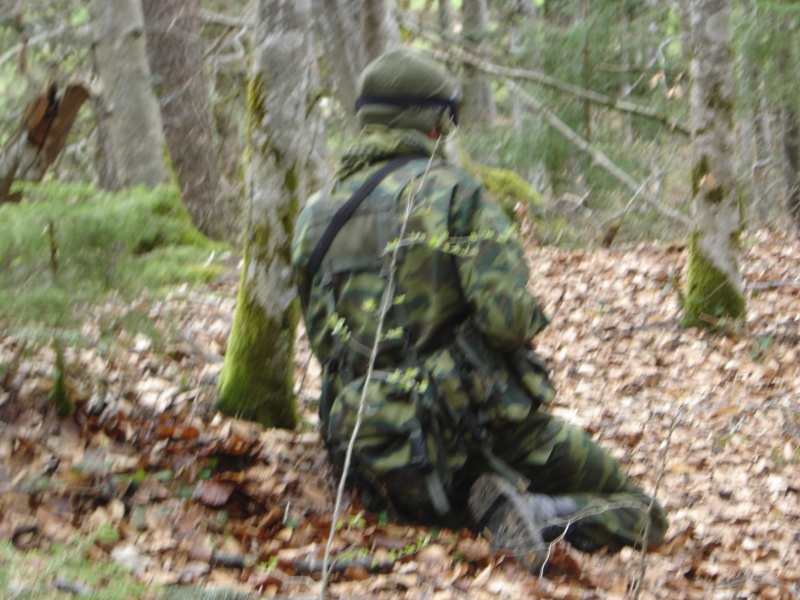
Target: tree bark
<point>381,31</point>
<point>36,144</point>
<point>790,121</point>
<point>713,279</point>
<point>352,34</point>
<point>257,378</point>
<point>129,101</point>
<point>444,17</point>
<point>791,153</point>
<point>336,23</point>
<point>175,55</point>
<point>477,104</point>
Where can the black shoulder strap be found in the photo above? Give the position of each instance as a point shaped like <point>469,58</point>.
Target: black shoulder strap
<point>343,215</point>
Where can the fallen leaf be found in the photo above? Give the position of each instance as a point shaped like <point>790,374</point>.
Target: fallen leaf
<point>213,493</point>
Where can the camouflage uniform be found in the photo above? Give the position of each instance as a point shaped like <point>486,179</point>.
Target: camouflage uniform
<point>456,389</point>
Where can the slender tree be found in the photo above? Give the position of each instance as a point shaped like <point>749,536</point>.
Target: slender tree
<point>786,65</point>
<point>257,378</point>
<point>380,28</point>
<point>791,151</point>
<point>352,34</point>
<point>714,281</point>
<point>444,16</point>
<point>175,54</point>
<point>337,26</point>
<point>130,107</point>
<point>478,101</point>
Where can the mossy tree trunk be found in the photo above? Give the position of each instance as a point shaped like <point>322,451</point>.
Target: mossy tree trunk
<point>714,281</point>
<point>257,378</point>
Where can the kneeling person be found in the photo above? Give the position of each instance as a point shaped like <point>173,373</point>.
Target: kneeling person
<point>454,422</point>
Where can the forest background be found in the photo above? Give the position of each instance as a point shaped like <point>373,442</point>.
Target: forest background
<point>122,244</point>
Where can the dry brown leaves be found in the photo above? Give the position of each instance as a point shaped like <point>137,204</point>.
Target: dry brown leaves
<point>714,420</point>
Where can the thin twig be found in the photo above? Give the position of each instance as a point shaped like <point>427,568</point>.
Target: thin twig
<point>676,418</point>
<point>628,206</point>
<point>454,54</point>
<point>215,18</point>
<point>41,37</point>
<point>599,158</point>
<point>386,303</point>
<point>768,285</point>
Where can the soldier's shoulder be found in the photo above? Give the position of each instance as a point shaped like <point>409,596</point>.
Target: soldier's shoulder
<point>448,174</point>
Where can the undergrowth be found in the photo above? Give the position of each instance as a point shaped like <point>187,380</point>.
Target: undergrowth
<point>69,246</point>
<point>61,571</point>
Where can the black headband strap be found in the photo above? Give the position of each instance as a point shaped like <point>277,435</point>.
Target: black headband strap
<point>410,102</point>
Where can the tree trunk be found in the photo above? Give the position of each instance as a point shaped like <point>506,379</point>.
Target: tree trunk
<point>336,23</point>
<point>257,378</point>
<point>35,145</point>
<point>714,281</point>
<point>352,34</point>
<point>129,101</point>
<point>444,17</point>
<point>791,153</point>
<point>477,104</point>
<point>685,21</point>
<point>175,54</point>
<point>790,130</point>
<point>380,28</point>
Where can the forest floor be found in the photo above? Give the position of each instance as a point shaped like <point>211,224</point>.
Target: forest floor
<point>181,496</point>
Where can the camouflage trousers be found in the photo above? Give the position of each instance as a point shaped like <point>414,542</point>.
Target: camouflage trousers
<point>423,443</point>
<point>554,457</point>
<point>561,460</point>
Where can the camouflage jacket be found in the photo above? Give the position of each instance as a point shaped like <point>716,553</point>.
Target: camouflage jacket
<point>459,318</point>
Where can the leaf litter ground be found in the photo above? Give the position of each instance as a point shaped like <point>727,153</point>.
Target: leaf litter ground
<point>181,496</point>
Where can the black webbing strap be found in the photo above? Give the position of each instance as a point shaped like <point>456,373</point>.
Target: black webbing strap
<point>412,102</point>
<point>343,215</point>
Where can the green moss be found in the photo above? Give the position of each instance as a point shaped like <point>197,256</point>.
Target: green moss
<point>700,170</point>
<point>506,187</point>
<point>123,242</point>
<point>710,295</point>
<point>256,103</point>
<point>257,379</point>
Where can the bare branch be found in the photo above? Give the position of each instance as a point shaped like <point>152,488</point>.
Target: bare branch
<point>676,418</point>
<point>454,54</point>
<point>599,158</point>
<point>215,18</point>
<point>768,285</point>
<point>386,303</point>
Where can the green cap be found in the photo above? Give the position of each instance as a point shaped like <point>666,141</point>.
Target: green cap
<point>404,88</point>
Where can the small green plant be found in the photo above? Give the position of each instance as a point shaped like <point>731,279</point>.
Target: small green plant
<point>59,393</point>
<point>779,457</point>
<point>107,534</point>
<point>764,344</point>
<point>357,522</point>
<point>410,549</point>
